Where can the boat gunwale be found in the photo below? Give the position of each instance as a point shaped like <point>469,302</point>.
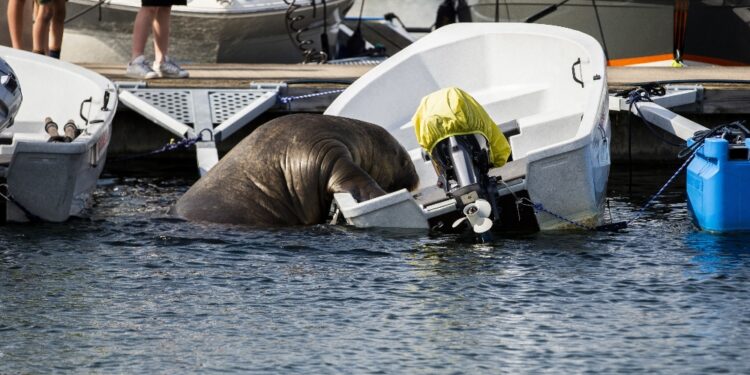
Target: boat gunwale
<point>99,122</point>
<point>204,12</point>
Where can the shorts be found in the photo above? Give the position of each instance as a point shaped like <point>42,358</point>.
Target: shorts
<point>162,3</point>
<point>43,2</point>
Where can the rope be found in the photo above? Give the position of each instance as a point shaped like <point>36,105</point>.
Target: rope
<point>727,131</point>
<point>642,94</point>
<point>651,200</point>
<point>538,207</point>
<point>8,197</point>
<point>171,146</point>
<point>289,99</point>
<point>613,226</point>
<point>90,8</point>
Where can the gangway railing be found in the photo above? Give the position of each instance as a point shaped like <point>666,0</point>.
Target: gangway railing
<point>211,115</point>
<point>657,113</point>
<point>717,160</point>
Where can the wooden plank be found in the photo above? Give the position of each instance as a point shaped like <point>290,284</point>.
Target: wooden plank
<point>726,89</point>
<point>626,76</point>
<point>240,75</point>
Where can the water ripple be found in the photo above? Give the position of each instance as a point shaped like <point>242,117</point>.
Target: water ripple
<point>131,290</point>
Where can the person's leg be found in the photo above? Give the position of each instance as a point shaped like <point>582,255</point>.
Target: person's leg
<point>161,34</point>
<point>15,22</point>
<point>163,65</point>
<point>40,32</point>
<point>56,28</point>
<point>138,67</point>
<point>141,29</point>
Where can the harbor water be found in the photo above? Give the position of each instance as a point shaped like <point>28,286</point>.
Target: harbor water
<point>130,290</point>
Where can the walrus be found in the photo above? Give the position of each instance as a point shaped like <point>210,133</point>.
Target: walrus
<point>287,170</point>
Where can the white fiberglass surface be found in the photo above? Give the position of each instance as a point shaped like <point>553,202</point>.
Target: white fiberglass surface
<point>548,79</point>
<point>55,89</point>
<point>51,91</point>
<point>513,75</point>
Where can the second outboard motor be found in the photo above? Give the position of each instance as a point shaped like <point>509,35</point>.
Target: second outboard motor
<point>10,95</point>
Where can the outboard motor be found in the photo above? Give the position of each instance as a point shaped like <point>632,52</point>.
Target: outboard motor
<point>10,95</point>
<point>462,164</point>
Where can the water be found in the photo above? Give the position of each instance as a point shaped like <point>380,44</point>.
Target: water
<point>131,291</point>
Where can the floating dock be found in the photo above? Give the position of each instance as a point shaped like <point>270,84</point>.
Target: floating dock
<point>725,96</point>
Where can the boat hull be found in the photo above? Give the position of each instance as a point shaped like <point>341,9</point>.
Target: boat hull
<point>559,104</point>
<point>51,181</point>
<point>641,32</point>
<point>198,37</point>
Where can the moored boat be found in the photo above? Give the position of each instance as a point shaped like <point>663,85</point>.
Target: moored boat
<point>554,111</point>
<point>50,171</point>
<point>640,32</point>
<point>207,31</point>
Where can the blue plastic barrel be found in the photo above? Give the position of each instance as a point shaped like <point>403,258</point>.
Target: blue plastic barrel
<point>718,186</point>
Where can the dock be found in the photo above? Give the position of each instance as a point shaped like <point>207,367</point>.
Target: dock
<point>725,97</point>
<point>722,95</point>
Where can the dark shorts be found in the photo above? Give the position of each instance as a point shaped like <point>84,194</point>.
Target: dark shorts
<point>162,3</point>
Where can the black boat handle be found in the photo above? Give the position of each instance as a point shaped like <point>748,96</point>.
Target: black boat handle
<point>106,101</point>
<point>80,112</point>
<point>573,71</point>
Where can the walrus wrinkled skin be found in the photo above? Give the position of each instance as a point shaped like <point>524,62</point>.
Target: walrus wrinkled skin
<point>286,172</point>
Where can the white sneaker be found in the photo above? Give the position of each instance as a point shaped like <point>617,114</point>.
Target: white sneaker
<point>170,69</point>
<point>139,68</point>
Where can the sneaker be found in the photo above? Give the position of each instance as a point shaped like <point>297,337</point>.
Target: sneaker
<point>170,69</point>
<point>138,68</point>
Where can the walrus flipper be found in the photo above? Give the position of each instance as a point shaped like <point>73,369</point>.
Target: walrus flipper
<point>347,177</point>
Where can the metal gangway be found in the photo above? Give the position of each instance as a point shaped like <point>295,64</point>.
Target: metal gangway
<point>205,115</point>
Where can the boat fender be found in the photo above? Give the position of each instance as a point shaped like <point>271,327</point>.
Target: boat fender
<point>51,128</point>
<point>71,131</point>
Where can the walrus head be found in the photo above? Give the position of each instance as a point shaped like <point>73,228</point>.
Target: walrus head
<point>382,157</point>
<point>396,170</point>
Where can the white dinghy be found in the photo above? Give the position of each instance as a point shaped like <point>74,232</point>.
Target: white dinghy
<point>51,178</point>
<point>544,85</point>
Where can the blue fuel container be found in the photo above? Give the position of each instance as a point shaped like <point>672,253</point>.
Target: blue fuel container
<point>718,185</point>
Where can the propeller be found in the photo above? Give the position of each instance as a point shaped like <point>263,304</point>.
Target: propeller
<point>477,214</point>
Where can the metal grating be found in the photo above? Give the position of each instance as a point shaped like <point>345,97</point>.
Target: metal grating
<point>357,61</point>
<point>224,104</point>
<point>178,104</point>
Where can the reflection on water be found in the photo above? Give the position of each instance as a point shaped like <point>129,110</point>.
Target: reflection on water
<point>718,254</point>
<point>130,290</point>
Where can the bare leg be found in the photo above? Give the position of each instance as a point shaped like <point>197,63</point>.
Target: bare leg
<point>41,27</point>
<point>15,22</point>
<point>161,34</point>
<point>56,28</point>
<point>141,29</point>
